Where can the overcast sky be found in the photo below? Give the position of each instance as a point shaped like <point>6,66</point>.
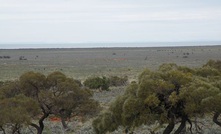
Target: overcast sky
<point>107,21</point>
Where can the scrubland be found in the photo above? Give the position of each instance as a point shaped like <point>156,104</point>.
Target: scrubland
<point>83,63</point>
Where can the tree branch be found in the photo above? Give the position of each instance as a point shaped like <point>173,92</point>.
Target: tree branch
<point>215,118</point>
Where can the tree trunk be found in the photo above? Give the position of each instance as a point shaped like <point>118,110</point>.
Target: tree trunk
<point>215,118</point>
<point>40,128</point>
<point>2,129</point>
<point>41,122</point>
<point>64,114</point>
<point>189,121</point>
<point>64,124</point>
<point>16,129</point>
<point>39,131</point>
<point>182,125</point>
<point>127,131</point>
<point>169,128</point>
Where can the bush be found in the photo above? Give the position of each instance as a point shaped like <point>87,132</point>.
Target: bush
<point>78,82</point>
<point>118,81</point>
<point>213,64</point>
<point>1,83</point>
<point>207,71</point>
<point>97,83</point>
<point>5,57</point>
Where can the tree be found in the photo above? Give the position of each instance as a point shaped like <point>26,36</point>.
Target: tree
<point>16,110</point>
<point>57,95</point>
<point>169,95</point>
<point>69,97</point>
<point>213,75</point>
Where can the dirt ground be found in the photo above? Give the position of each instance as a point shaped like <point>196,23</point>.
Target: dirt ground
<point>81,63</point>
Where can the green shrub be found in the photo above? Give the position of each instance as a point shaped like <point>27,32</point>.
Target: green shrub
<point>213,64</point>
<point>118,81</point>
<point>1,83</point>
<point>207,71</point>
<point>97,83</point>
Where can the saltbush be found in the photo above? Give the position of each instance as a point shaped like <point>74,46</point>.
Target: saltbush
<point>118,81</point>
<point>102,83</point>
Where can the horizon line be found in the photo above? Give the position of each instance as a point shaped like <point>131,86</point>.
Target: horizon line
<point>140,42</point>
<point>42,48</point>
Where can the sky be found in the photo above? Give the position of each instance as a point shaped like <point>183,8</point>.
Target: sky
<point>35,23</point>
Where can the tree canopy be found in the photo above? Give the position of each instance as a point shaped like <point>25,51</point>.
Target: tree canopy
<point>169,95</point>
<point>36,96</point>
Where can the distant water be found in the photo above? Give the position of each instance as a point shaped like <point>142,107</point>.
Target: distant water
<point>94,45</point>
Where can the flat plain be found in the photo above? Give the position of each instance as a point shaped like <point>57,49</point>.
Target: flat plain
<point>80,63</point>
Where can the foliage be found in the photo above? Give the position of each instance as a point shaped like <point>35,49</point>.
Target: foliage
<point>16,112</point>
<point>54,94</point>
<point>97,83</point>
<point>1,83</point>
<point>169,95</point>
<point>118,81</point>
<point>214,64</point>
<point>207,72</point>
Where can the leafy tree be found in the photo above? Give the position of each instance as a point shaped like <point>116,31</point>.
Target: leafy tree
<point>69,97</point>
<point>54,94</point>
<point>16,110</point>
<point>168,95</point>
<point>213,76</point>
<point>9,89</point>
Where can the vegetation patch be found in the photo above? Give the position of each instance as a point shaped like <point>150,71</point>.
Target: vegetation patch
<point>172,95</point>
<point>101,83</point>
<point>35,97</point>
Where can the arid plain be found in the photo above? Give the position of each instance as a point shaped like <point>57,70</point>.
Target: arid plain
<point>81,63</point>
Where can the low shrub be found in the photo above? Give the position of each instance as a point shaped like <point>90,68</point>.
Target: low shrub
<point>102,83</point>
<point>78,82</point>
<point>118,81</point>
